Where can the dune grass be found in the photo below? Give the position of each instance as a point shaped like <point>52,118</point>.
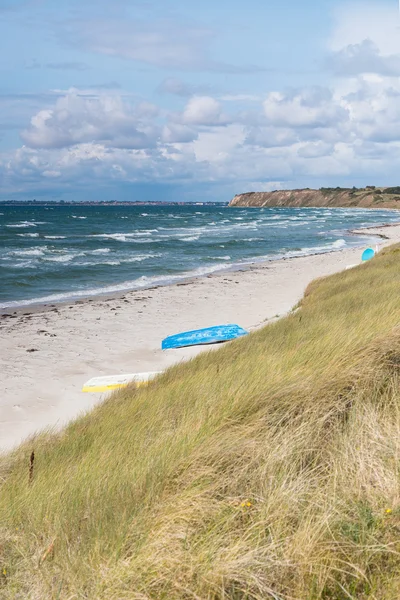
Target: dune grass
<point>267,469</point>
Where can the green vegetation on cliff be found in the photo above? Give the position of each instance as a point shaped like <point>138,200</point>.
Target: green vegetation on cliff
<point>267,469</point>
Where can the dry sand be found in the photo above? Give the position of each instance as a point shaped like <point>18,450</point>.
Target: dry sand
<point>48,353</point>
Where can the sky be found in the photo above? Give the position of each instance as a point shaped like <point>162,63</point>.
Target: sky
<point>196,101</point>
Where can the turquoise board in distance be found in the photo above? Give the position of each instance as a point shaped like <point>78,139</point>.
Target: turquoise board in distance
<point>210,335</point>
<point>368,254</point>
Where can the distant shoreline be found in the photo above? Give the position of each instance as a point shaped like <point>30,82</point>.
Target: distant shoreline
<point>75,203</point>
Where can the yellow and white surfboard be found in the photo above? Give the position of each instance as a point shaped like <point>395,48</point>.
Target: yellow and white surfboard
<point>114,382</point>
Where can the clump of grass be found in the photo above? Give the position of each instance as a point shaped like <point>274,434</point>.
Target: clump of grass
<point>267,469</point>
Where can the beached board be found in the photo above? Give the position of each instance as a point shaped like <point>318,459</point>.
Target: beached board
<point>113,382</point>
<point>210,335</point>
<point>368,254</point>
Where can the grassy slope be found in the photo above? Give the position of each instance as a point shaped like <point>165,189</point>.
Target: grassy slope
<point>268,469</point>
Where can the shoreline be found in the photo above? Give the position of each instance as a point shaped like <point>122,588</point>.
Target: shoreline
<point>48,352</point>
<point>34,307</point>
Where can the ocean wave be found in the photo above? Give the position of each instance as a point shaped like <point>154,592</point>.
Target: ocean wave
<point>22,225</point>
<point>337,245</point>
<point>124,236</point>
<point>31,252</point>
<point>140,257</point>
<point>104,256</point>
<point>62,258</point>
<point>27,264</point>
<point>101,251</point>
<point>118,237</point>
<point>76,217</point>
<point>108,263</point>
<point>136,284</point>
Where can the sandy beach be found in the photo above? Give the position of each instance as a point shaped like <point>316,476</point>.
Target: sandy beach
<point>48,352</point>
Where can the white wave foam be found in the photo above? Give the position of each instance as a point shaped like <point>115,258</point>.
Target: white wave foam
<point>137,284</point>
<point>108,263</point>
<point>101,251</point>
<point>192,238</point>
<point>75,217</point>
<point>140,258</point>
<point>22,225</point>
<point>31,252</point>
<point>337,245</point>
<point>30,235</point>
<point>51,237</point>
<point>27,264</point>
<point>118,237</point>
<point>124,237</point>
<point>62,258</point>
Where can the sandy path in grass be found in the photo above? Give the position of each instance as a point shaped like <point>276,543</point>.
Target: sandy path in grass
<point>105,336</point>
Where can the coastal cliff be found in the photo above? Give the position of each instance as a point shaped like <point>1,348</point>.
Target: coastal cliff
<point>369,197</point>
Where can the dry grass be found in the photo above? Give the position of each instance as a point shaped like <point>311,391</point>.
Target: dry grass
<point>268,469</point>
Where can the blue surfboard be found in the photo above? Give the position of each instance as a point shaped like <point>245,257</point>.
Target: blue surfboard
<point>368,254</point>
<point>210,335</point>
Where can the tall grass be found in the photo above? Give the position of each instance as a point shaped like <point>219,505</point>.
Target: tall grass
<point>267,469</point>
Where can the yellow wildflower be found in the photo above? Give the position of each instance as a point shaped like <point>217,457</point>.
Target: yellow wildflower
<point>388,511</point>
<point>4,571</point>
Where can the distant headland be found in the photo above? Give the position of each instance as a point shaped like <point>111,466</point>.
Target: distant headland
<point>368,197</point>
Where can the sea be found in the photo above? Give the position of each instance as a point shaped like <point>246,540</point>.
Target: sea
<point>51,254</point>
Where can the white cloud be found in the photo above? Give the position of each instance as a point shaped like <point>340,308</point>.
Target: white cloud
<point>307,134</point>
<point>364,57</point>
<point>268,137</point>
<point>356,22</point>
<point>347,132</point>
<point>177,87</point>
<point>169,44</point>
<point>78,119</point>
<point>203,110</point>
<point>178,133</point>
<point>310,107</point>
